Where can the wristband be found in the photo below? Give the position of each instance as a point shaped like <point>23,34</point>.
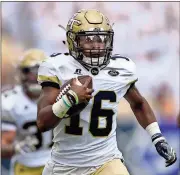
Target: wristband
<point>153,128</point>
<point>61,107</point>
<point>157,138</point>
<point>73,98</point>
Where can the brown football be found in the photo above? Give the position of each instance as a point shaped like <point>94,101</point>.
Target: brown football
<point>75,110</point>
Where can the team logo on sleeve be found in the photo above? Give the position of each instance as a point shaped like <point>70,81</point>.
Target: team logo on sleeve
<point>113,73</point>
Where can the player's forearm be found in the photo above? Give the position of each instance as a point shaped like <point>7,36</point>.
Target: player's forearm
<point>7,151</point>
<point>147,120</point>
<point>46,119</point>
<point>49,116</point>
<point>143,113</point>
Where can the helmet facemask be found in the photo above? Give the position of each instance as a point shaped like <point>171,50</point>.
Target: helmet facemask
<point>92,48</point>
<point>29,80</point>
<point>28,69</point>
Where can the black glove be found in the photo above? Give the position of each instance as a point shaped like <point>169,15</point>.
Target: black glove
<point>164,149</point>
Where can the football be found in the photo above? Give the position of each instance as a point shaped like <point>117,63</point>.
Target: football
<point>75,110</point>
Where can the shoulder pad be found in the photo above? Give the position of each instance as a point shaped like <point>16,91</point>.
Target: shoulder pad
<point>9,92</point>
<point>56,54</point>
<point>115,56</point>
<point>9,98</point>
<point>7,88</point>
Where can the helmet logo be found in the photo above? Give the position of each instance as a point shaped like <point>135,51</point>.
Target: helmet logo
<point>72,21</point>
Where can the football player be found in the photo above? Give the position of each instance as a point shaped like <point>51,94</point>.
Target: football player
<point>86,143</point>
<point>21,139</point>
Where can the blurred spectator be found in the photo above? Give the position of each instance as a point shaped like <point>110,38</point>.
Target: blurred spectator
<point>171,19</point>
<point>165,102</point>
<point>10,55</point>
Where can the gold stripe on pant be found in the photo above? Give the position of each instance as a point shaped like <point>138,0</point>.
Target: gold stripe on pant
<point>20,169</point>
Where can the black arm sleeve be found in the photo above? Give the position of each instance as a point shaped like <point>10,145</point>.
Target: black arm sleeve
<point>51,84</point>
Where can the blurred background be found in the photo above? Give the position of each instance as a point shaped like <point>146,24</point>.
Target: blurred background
<point>147,32</point>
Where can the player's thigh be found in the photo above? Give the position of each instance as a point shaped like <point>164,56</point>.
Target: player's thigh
<point>20,169</point>
<point>114,167</point>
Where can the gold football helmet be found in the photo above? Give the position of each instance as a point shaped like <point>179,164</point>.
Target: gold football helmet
<point>90,38</point>
<point>28,68</point>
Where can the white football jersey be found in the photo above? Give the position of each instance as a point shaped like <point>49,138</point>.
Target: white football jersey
<point>19,113</point>
<point>89,139</point>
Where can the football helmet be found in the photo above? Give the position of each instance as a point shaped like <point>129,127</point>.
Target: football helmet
<point>28,69</point>
<point>90,38</point>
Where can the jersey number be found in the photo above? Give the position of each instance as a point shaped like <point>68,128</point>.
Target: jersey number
<point>96,113</point>
<point>36,133</point>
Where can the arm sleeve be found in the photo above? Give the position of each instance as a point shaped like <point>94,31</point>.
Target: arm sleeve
<point>129,75</point>
<point>47,75</point>
<point>8,122</point>
<point>7,119</point>
<point>8,127</point>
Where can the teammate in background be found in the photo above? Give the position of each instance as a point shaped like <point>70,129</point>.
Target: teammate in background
<point>86,144</point>
<point>21,139</point>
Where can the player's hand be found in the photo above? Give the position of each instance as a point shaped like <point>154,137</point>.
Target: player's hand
<point>82,91</point>
<point>164,149</point>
